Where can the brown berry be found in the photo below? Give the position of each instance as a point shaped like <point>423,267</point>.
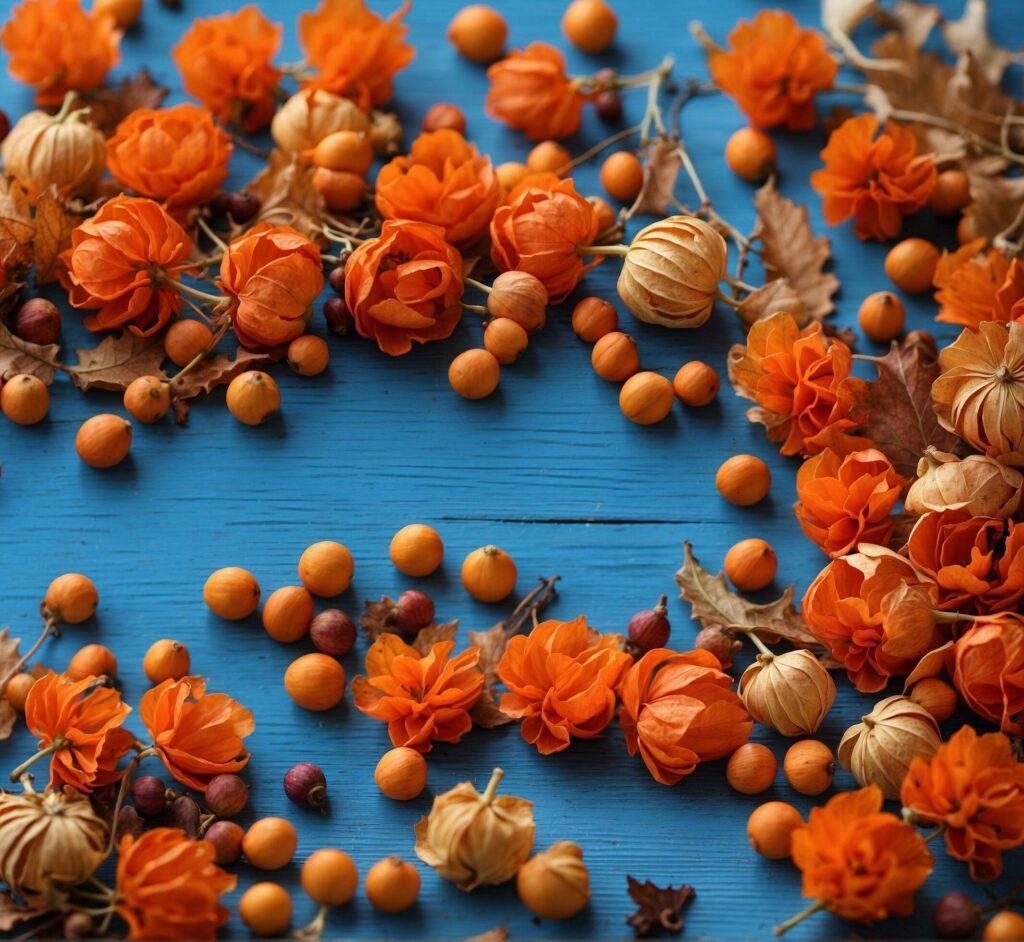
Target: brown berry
<point>650,628</point>
<point>881,316</point>
<point>38,321</point>
<point>696,383</point>
<point>751,768</point>
<point>751,564</point>
<point>444,115</point>
<point>339,318</point>
<point>809,766</point>
<point>306,785</point>
<point>226,795</point>
<point>187,339</point>
<point>608,105</point>
<point>147,398</point>
<point>414,611</point>
<point>104,440</point>
<point>333,632</point>
<point>911,263</point>
<point>243,206</point>
<point>593,318</point>
<point>615,357</point>
<point>149,796</point>
<point>25,399</point>
<point>226,837</point>
<point>956,916</point>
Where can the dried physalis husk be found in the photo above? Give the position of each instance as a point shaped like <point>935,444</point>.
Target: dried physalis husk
<point>555,883</point>
<point>671,272</point>
<point>790,693</point>
<point>474,839</point>
<point>48,841</point>
<point>386,133</point>
<point>306,118</point>
<point>878,749</point>
<point>977,484</point>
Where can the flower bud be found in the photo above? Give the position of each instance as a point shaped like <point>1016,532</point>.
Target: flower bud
<point>790,692</point>
<point>520,297</point>
<point>473,839</point>
<point>721,642</point>
<point>977,484</point>
<point>306,118</point>
<point>878,749</point>
<point>555,884</point>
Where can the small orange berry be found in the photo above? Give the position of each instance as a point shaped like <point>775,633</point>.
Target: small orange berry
<point>881,316</point>
<point>590,25</point>
<point>809,766</point>
<point>166,660</point>
<point>751,564</point>
<point>444,115</point>
<point>966,229</point>
<point>474,374</point>
<point>70,598</point>
<point>548,157</point>
<point>696,383</point>
<point>287,613</point>
<point>770,829</point>
<point>750,154</point>
<point>743,480</point>
<point>342,190</point>
<point>308,355</point>
<point>520,297</point>
<point>751,768</point>
<point>253,397</point>
<point>417,550</point>
<point>125,13</point>
<point>489,574</point>
<point>606,216</point>
<point>1004,926</point>
<point>401,773</point>
<point>478,32</point>
<point>104,440</point>
<point>615,357</point>
<point>646,398</point>
<point>329,877</point>
<point>185,340</point>
<point>18,689</point>
<point>25,399</point>
<point>93,660</point>
<point>622,176</point>
<point>326,568</point>
<point>952,193</point>
<point>510,173</point>
<point>911,263</point>
<point>315,682</point>
<point>936,696</point>
<point>232,593</point>
<point>592,318</point>
<point>392,885</point>
<point>270,843</point>
<point>266,908</point>
<point>344,150</point>
<point>505,340</point>
<point>147,398</point>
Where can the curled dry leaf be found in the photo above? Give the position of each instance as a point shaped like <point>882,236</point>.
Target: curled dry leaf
<point>969,34</point>
<point>427,637</point>
<point>914,21</point>
<point>53,227</point>
<point>996,208</point>
<point>117,361</point>
<point>216,371</point>
<point>287,195</point>
<point>9,657</point>
<point>14,913</point>
<point>17,227</point>
<point>662,163</point>
<point>20,356</point>
<point>109,105</point>
<point>657,907</point>
<point>770,298</point>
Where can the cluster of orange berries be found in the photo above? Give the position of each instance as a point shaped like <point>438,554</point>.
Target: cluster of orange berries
<point>341,161</point>
<point>808,766</point>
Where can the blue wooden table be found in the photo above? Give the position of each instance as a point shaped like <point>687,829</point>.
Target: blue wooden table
<point>547,468</point>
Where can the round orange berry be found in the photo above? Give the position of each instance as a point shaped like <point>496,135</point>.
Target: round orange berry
<point>592,318</point>
<point>166,660</point>
<point>329,877</point>
<point>232,593</point>
<point>751,564</point>
<point>622,176</point>
<point>590,25</point>
<point>392,885</point>
<point>505,340</point>
<point>474,374</point>
<point>696,383</point>
<point>270,843</point>
<point>478,32</point>
<point>750,154</point>
<point>417,550</point>
<point>881,316</point>
<point>187,339</point>
<point>315,682</point>
<point>148,398</point>
<point>326,568</point>
<point>646,398</point>
<point>25,399</point>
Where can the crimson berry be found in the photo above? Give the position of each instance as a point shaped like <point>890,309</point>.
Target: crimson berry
<point>226,795</point>
<point>333,632</point>
<point>149,795</point>
<point>956,916</point>
<point>608,105</point>
<point>306,785</point>
<point>650,628</point>
<point>338,318</point>
<point>413,612</point>
<point>243,206</point>
<point>226,837</point>
<point>38,321</point>
<point>336,279</point>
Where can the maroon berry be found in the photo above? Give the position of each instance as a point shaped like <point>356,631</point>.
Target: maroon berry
<point>956,916</point>
<point>924,341</point>
<point>38,321</point>
<point>5,125</point>
<point>721,642</point>
<point>226,837</point>
<point>79,925</point>
<point>148,795</point>
<point>336,279</point>
<point>338,318</point>
<point>243,206</point>
<point>184,813</point>
<point>650,628</point>
<point>333,632</point>
<point>306,785</point>
<point>226,795</point>
<point>608,105</point>
<point>413,612</point>
<point>220,203</point>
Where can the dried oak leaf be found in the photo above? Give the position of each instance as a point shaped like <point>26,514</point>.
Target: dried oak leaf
<point>378,617</point>
<point>995,208</point>
<point>20,356</point>
<point>427,637</point>
<point>9,657</point>
<point>109,105</point>
<point>17,227</point>
<point>117,361</point>
<point>662,164</point>
<point>287,195</point>
<point>14,913</point>
<point>770,298</point>
<point>969,34</point>
<point>54,225</point>
<point>657,907</point>
<point>207,375</point>
<point>492,643</point>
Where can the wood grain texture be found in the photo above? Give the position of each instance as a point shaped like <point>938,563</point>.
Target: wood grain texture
<point>547,468</point>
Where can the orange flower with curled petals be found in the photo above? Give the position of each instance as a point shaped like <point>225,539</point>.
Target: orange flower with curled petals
<point>354,51</point>
<point>863,863</point>
<point>541,232</point>
<point>168,887</point>
<point>423,698</point>
<point>846,501</point>
<point>196,734</point>
<point>973,785</point>
<point>227,63</point>
<point>877,178</point>
<point>56,47</point>
<point>531,92</point>
<point>81,723</point>
<point>988,669</point>
<point>445,182</point>
<point>405,286</point>
<point>773,69</point>
<point>977,286</point>
<point>679,710</point>
<point>272,275</point>
<point>175,155</point>
<point>120,261</point>
<point>561,681</point>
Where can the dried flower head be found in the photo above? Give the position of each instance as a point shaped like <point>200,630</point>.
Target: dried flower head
<point>977,485</point>
<point>790,693</point>
<point>989,670</point>
<point>978,285</point>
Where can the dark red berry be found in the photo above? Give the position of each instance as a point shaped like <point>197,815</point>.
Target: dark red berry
<point>608,105</point>
<point>148,795</point>
<point>721,642</point>
<point>5,125</point>
<point>413,612</point>
<point>336,279</point>
<point>220,203</point>
<point>243,206</point>
<point>956,916</point>
<point>333,632</point>
<point>38,321</point>
<point>306,785</point>
<point>184,813</point>
<point>226,795</point>
<point>338,317</point>
<point>226,837</point>
<point>650,628</point>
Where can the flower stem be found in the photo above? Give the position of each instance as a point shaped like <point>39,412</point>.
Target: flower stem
<point>476,309</point>
<point>202,354</point>
<point>492,786</point>
<point>938,832</point>
<point>58,743</point>
<point>784,927</point>
<point>315,929</point>
<point>479,285</point>
<point>216,239</point>
<point>758,643</point>
<point>195,292</point>
<point>122,793</point>
<point>592,152</point>
<point>732,302</point>
<point>621,250</point>
<point>49,628</point>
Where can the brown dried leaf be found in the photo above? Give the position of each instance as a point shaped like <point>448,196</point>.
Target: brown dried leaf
<point>969,34</point>
<point>770,298</point>
<point>378,617</point>
<point>20,356</point>
<point>207,375</point>
<point>492,644</point>
<point>915,21</point>
<point>657,907</point>
<point>54,225</point>
<point>9,657</point>
<point>17,228</point>
<point>287,195</point>
<point>662,164</point>
<point>117,361</point>
<point>996,206</point>
<point>427,637</point>
<point>13,913</point>
<point>108,106</point>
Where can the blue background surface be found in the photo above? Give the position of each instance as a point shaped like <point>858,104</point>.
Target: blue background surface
<point>547,468</point>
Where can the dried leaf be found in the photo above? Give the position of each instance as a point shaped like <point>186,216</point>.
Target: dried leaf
<point>117,361</point>
<point>661,169</point>
<point>915,21</point>
<point>657,907</point>
<point>17,228</point>
<point>498,934</point>
<point>9,657</point>
<point>845,15</point>
<point>13,913</point>
<point>969,34</point>
<point>20,356</point>
<point>108,106</point>
<point>492,644</point>
<point>207,375</point>
<point>287,195</point>
<point>996,205</point>
<point>770,298</point>
<point>378,617</point>
<point>54,225</point>
<point>427,637</point>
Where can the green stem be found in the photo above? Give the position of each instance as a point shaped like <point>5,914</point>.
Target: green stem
<point>58,743</point>
<point>784,927</point>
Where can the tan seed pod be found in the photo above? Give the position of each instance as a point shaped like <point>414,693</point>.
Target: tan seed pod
<point>790,693</point>
<point>306,118</point>
<point>977,484</point>
<point>555,884</point>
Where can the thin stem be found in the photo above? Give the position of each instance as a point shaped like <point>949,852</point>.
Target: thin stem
<point>49,628</point>
<point>216,239</point>
<point>854,88</point>
<point>621,250</point>
<point>222,330</point>
<point>758,643</point>
<point>784,927</point>
<point>122,793</point>
<point>735,283</point>
<point>58,743</point>
<point>938,832</point>
<point>922,117</point>
<point>597,148</point>
<point>479,285</point>
<point>476,309</point>
<point>316,928</point>
<point>732,302</point>
<point>492,786</point>
<point>195,292</point>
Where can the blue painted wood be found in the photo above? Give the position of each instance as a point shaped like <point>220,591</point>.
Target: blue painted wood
<point>547,468</point>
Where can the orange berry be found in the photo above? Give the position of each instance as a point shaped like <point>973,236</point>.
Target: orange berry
<point>166,660</point>
<point>751,768</point>
<point>287,613</point>
<point>966,230</point>
<point>478,32</point>
<point>344,150</point>
<point>911,263</point>
<point>696,383</point>
<point>25,399</point>
<point>266,908</point>
<point>489,574</point>
<point>505,340</point>
<point>93,660</point>
<point>590,25</point>
<point>315,682</point>
<point>936,696</point>
<point>417,550</point>
<point>592,318</point>
<point>70,598</point>
<point>104,440</point>
<point>232,593</point>
<point>1004,926</point>
<point>253,397</point>
<point>342,190</point>
<point>548,157</point>
<point>952,193</point>
<point>510,173</point>
<point>743,480</point>
<point>606,216</point>
<point>881,316</point>
<point>751,564</point>
<point>548,890</point>
<point>185,340</point>
<point>308,355</point>
<point>270,843</point>
<point>147,398</point>
<point>392,885</point>
<point>18,689</point>
<point>329,877</point>
<point>444,115</point>
<point>401,773</point>
<point>750,154</point>
<point>770,829</point>
<point>622,176</point>
<point>125,13</point>
<point>615,357</point>
<point>809,766</point>
<point>646,398</point>
<point>520,297</point>
<point>474,374</point>
<point>326,568</point>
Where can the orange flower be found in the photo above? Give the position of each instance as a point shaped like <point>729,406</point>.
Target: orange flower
<point>404,286</point>
<point>423,698</point>
<point>877,180</point>
<point>443,181</point>
<point>874,613</point>
<point>975,787</point>
<point>796,378</point>
<point>846,501</point>
<point>197,735</point>
<point>679,710</point>
<point>989,670</point>
<point>773,69</point>
<point>561,681</point>
<point>540,232</point>
<point>356,53</point>
<point>56,47</point>
<point>977,562</point>
<point>169,887</point>
<point>977,286</point>
<point>175,155</point>
<point>273,275</point>
<point>861,862</point>
<point>531,92</point>
<point>82,723</point>
<point>227,62</point>
<point>118,262</point>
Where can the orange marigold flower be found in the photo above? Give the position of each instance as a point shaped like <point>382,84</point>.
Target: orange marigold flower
<point>988,670</point>
<point>540,232</point>
<point>796,378</point>
<point>355,52</point>
<point>227,63</point>
<point>169,887</point>
<point>197,735</point>
<point>874,613</point>
<point>679,710</point>
<point>175,155</point>
<point>561,681</point>
<point>119,262</point>
<point>404,286</point>
<point>861,862</point>
<point>423,698</point>
<point>877,180</point>
<point>774,69</point>
<point>273,275</point>
<point>444,181</point>
<point>847,500</point>
<point>82,724</point>
<point>977,562</point>
<point>531,92</point>
<point>975,787</point>
<point>56,47</point>
<point>977,286</point>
